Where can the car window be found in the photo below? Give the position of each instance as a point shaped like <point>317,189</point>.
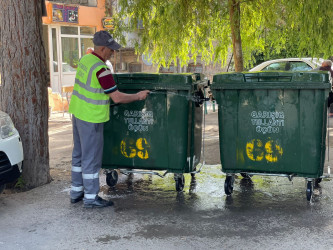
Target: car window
<point>299,66</point>
<point>276,66</point>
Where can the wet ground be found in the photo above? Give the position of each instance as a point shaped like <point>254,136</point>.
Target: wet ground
<point>264,212</point>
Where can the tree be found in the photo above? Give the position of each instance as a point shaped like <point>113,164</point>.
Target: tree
<point>23,89</point>
<point>172,29</point>
<point>234,11</point>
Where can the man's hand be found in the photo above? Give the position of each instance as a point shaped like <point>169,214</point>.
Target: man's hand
<point>120,97</point>
<point>143,94</point>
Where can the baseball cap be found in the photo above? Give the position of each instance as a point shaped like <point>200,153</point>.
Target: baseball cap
<point>103,38</point>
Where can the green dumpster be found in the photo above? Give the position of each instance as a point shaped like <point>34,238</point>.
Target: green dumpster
<point>161,133</point>
<point>272,123</point>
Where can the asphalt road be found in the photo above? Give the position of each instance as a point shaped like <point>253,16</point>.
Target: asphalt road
<point>265,213</point>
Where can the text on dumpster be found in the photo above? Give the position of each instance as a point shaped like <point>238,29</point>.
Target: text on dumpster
<point>267,122</point>
<point>138,120</point>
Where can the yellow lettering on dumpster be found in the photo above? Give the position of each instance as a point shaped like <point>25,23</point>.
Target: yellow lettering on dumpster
<point>273,151</point>
<point>256,150</point>
<point>142,145</point>
<point>127,148</point>
<point>131,148</point>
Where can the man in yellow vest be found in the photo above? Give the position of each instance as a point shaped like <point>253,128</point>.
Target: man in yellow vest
<point>94,85</point>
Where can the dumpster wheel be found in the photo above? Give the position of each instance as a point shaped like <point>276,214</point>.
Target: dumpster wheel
<point>309,190</point>
<point>317,181</point>
<point>246,175</point>
<point>180,182</point>
<point>112,178</point>
<point>229,184</point>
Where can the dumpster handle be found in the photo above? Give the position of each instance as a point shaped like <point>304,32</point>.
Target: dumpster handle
<point>289,176</point>
<point>328,135</point>
<point>264,78</point>
<point>193,98</point>
<point>114,104</point>
<point>203,139</point>
<point>127,172</point>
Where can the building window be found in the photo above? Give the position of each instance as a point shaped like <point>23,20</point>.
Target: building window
<point>90,3</point>
<point>87,31</point>
<point>68,30</point>
<point>194,68</point>
<point>70,54</point>
<point>171,69</point>
<point>54,50</point>
<point>74,43</point>
<point>135,67</point>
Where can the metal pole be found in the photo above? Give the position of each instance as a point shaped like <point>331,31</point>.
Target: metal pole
<point>328,134</point>
<point>232,54</point>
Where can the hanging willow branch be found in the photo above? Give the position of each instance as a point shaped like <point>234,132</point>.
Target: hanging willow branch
<point>185,29</point>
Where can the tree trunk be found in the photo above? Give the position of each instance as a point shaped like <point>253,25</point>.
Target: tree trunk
<point>234,10</point>
<point>23,90</point>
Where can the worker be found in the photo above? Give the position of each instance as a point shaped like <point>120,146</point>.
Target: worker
<point>327,66</point>
<point>89,50</point>
<point>94,85</point>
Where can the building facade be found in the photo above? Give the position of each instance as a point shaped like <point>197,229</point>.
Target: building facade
<point>68,30</point>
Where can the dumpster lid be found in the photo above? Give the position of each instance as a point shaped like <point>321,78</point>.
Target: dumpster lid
<point>155,81</point>
<point>281,79</point>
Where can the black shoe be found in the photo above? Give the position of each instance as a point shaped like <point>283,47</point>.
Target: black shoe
<point>99,202</point>
<point>77,199</point>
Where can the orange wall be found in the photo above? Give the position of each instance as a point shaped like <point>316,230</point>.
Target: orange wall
<point>88,16</point>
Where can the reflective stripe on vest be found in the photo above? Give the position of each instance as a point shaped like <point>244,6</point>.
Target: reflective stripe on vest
<point>88,100</point>
<point>91,70</point>
<point>88,87</point>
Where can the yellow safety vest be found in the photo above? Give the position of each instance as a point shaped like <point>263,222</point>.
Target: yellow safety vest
<point>89,102</point>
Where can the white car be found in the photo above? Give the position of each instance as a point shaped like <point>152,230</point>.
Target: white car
<point>11,151</point>
<point>289,64</point>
